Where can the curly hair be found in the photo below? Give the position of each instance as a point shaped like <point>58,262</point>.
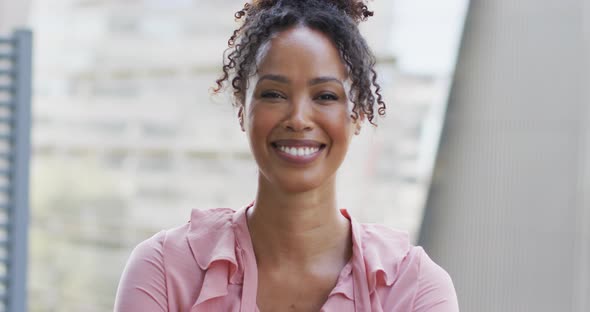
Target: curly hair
<point>338,20</point>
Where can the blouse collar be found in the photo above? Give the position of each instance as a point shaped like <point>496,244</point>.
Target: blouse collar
<point>215,237</point>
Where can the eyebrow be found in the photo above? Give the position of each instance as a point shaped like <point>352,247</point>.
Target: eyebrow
<point>325,79</point>
<point>277,78</point>
<point>314,81</point>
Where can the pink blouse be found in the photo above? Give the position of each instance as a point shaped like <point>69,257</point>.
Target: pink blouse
<point>209,264</point>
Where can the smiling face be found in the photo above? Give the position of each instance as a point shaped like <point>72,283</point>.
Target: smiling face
<point>297,114</point>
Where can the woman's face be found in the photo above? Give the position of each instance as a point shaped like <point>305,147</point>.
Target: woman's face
<point>297,114</point>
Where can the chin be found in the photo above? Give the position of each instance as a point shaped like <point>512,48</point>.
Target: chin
<point>296,184</point>
<point>294,188</point>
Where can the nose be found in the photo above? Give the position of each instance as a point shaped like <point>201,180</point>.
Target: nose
<point>299,117</point>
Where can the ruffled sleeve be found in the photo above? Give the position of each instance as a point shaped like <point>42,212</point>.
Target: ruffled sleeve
<point>143,283</point>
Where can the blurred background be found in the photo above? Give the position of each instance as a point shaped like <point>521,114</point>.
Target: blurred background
<point>482,157</point>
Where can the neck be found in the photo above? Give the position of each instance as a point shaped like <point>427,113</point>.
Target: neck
<point>298,230</point>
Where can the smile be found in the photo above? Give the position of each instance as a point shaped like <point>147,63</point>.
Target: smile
<point>298,151</point>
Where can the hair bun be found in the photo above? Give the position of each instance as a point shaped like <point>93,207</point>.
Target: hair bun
<point>355,9</point>
<point>364,11</point>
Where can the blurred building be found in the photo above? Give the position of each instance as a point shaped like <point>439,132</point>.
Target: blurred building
<point>13,14</point>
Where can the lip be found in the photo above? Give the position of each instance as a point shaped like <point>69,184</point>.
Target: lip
<point>299,160</point>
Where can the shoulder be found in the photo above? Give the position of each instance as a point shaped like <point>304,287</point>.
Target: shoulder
<point>150,248</point>
<point>147,256</point>
<point>424,284</point>
<point>403,275</point>
<point>385,241</point>
<point>200,222</point>
<point>383,250</point>
<point>173,259</point>
<point>430,272</point>
<point>143,282</point>
<point>435,290</point>
<point>191,241</point>
<point>173,244</point>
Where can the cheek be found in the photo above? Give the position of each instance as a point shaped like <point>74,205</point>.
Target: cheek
<point>339,125</point>
<point>259,124</point>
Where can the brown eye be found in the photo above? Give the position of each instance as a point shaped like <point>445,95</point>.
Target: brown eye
<point>271,95</point>
<point>327,97</point>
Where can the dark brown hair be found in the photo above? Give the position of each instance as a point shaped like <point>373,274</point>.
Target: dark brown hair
<point>338,20</point>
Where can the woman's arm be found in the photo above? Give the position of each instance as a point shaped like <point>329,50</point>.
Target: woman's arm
<point>143,283</point>
<point>436,292</point>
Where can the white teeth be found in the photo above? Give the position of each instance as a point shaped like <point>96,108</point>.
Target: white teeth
<point>299,151</point>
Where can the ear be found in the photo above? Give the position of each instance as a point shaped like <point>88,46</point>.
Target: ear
<point>241,118</point>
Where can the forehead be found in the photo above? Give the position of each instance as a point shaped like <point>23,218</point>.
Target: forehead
<point>300,52</point>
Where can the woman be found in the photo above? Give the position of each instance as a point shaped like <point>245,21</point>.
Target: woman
<point>303,83</point>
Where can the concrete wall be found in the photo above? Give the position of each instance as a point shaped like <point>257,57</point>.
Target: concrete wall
<point>508,213</point>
